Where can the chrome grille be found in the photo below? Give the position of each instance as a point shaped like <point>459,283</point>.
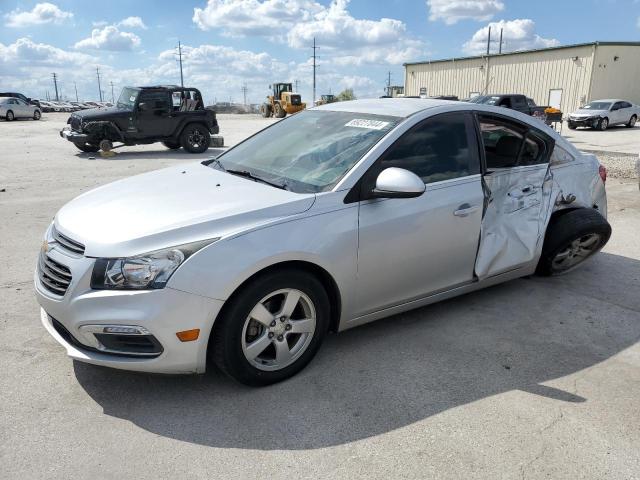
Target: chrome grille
<point>54,276</point>
<point>66,243</point>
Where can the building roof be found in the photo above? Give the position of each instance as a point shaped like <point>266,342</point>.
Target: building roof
<point>561,47</point>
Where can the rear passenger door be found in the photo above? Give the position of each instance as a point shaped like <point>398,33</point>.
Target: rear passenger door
<point>517,184</point>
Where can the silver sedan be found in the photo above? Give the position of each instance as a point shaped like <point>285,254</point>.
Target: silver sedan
<point>331,218</point>
<point>12,108</point>
<point>601,114</point>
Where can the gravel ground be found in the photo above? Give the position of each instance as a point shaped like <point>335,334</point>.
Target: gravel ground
<point>535,378</point>
<point>619,165</point>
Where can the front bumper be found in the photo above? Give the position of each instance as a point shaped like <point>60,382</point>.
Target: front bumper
<point>161,313</point>
<point>584,122</point>
<point>73,136</point>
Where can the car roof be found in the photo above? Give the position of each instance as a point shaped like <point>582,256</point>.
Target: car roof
<point>395,107</point>
<point>609,100</point>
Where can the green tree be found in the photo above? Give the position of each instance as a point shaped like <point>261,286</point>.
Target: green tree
<point>346,94</point>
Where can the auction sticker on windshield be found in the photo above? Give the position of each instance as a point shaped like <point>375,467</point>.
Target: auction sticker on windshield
<point>370,124</point>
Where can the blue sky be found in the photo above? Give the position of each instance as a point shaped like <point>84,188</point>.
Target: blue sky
<point>232,42</point>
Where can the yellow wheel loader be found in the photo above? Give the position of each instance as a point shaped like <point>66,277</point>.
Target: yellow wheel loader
<point>282,101</point>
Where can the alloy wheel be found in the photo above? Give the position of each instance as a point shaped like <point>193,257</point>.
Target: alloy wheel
<point>576,252</point>
<point>278,329</point>
<point>195,138</point>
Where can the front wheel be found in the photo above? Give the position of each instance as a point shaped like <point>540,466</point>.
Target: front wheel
<point>632,121</point>
<point>195,138</point>
<point>279,111</point>
<point>36,114</point>
<point>603,124</point>
<point>9,116</point>
<point>571,239</point>
<point>272,328</point>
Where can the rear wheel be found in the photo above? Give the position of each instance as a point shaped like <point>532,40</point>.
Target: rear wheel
<point>571,239</point>
<point>87,147</point>
<point>272,328</point>
<point>603,124</point>
<point>195,138</point>
<point>265,110</point>
<point>36,114</point>
<point>632,121</point>
<point>278,111</point>
<point>172,145</point>
<point>9,116</point>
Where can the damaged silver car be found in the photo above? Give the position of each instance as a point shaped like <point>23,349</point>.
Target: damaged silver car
<point>331,218</point>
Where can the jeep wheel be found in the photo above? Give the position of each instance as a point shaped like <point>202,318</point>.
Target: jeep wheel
<point>87,147</point>
<point>571,239</point>
<point>195,138</point>
<point>172,145</point>
<point>105,145</point>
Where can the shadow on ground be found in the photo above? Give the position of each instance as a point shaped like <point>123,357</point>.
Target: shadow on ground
<point>123,154</point>
<point>392,373</point>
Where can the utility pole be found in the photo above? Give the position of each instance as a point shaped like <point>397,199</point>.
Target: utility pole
<point>76,88</point>
<point>55,84</point>
<point>296,82</point>
<point>112,96</point>
<point>500,50</point>
<point>244,92</point>
<point>314,71</point>
<point>180,59</point>
<point>489,42</point>
<point>99,87</point>
<point>486,73</point>
<point>389,84</point>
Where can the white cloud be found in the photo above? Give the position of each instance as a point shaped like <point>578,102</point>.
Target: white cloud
<point>25,52</point>
<point>41,14</point>
<point>452,11</point>
<point>132,22</point>
<point>109,38</point>
<point>343,38</point>
<point>517,35</point>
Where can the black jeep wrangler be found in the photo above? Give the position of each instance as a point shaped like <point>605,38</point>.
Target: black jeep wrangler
<point>169,114</point>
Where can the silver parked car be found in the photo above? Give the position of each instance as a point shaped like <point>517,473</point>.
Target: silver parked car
<point>334,217</point>
<point>12,108</point>
<point>601,114</point>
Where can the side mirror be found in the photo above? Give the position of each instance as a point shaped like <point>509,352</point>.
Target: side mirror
<point>398,183</point>
<point>143,107</point>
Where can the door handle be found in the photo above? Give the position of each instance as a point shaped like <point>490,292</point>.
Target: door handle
<point>465,210</point>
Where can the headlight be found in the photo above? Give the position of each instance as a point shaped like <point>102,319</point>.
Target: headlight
<point>148,271</point>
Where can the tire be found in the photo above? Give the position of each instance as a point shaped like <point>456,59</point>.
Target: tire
<point>87,147</point>
<point>172,145</point>
<point>571,239</point>
<point>9,116</point>
<point>37,115</point>
<point>237,330</point>
<point>632,121</point>
<point>278,111</point>
<point>603,124</point>
<point>105,145</point>
<point>572,126</point>
<point>265,110</point>
<point>195,138</point>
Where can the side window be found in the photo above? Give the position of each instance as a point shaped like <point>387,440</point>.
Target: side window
<point>157,100</point>
<point>617,106</point>
<point>519,102</point>
<point>533,152</point>
<point>502,142</point>
<point>625,105</point>
<point>440,148</point>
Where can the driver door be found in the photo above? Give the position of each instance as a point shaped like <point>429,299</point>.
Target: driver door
<point>411,247</point>
<point>154,118</point>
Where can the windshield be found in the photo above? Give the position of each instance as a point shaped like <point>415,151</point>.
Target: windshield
<point>128,98</point>
<point>485,100</point>
<point>597,106</point>
<point>309,152</point>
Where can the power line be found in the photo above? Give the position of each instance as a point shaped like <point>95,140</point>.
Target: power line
<point>55,84</point>
<point>99,87</point>
<point>314,71</point>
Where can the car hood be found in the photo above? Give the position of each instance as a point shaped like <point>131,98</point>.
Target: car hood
<point>171,207</point>
<point>582,112</point>
<point>101,113</point>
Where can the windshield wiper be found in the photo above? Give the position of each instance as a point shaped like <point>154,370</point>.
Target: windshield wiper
<point>247,174</point>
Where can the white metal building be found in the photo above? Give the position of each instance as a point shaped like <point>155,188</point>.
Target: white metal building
<point>563,77</point>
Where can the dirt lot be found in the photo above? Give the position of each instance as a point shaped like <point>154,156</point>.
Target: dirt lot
<point>536,378</point>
